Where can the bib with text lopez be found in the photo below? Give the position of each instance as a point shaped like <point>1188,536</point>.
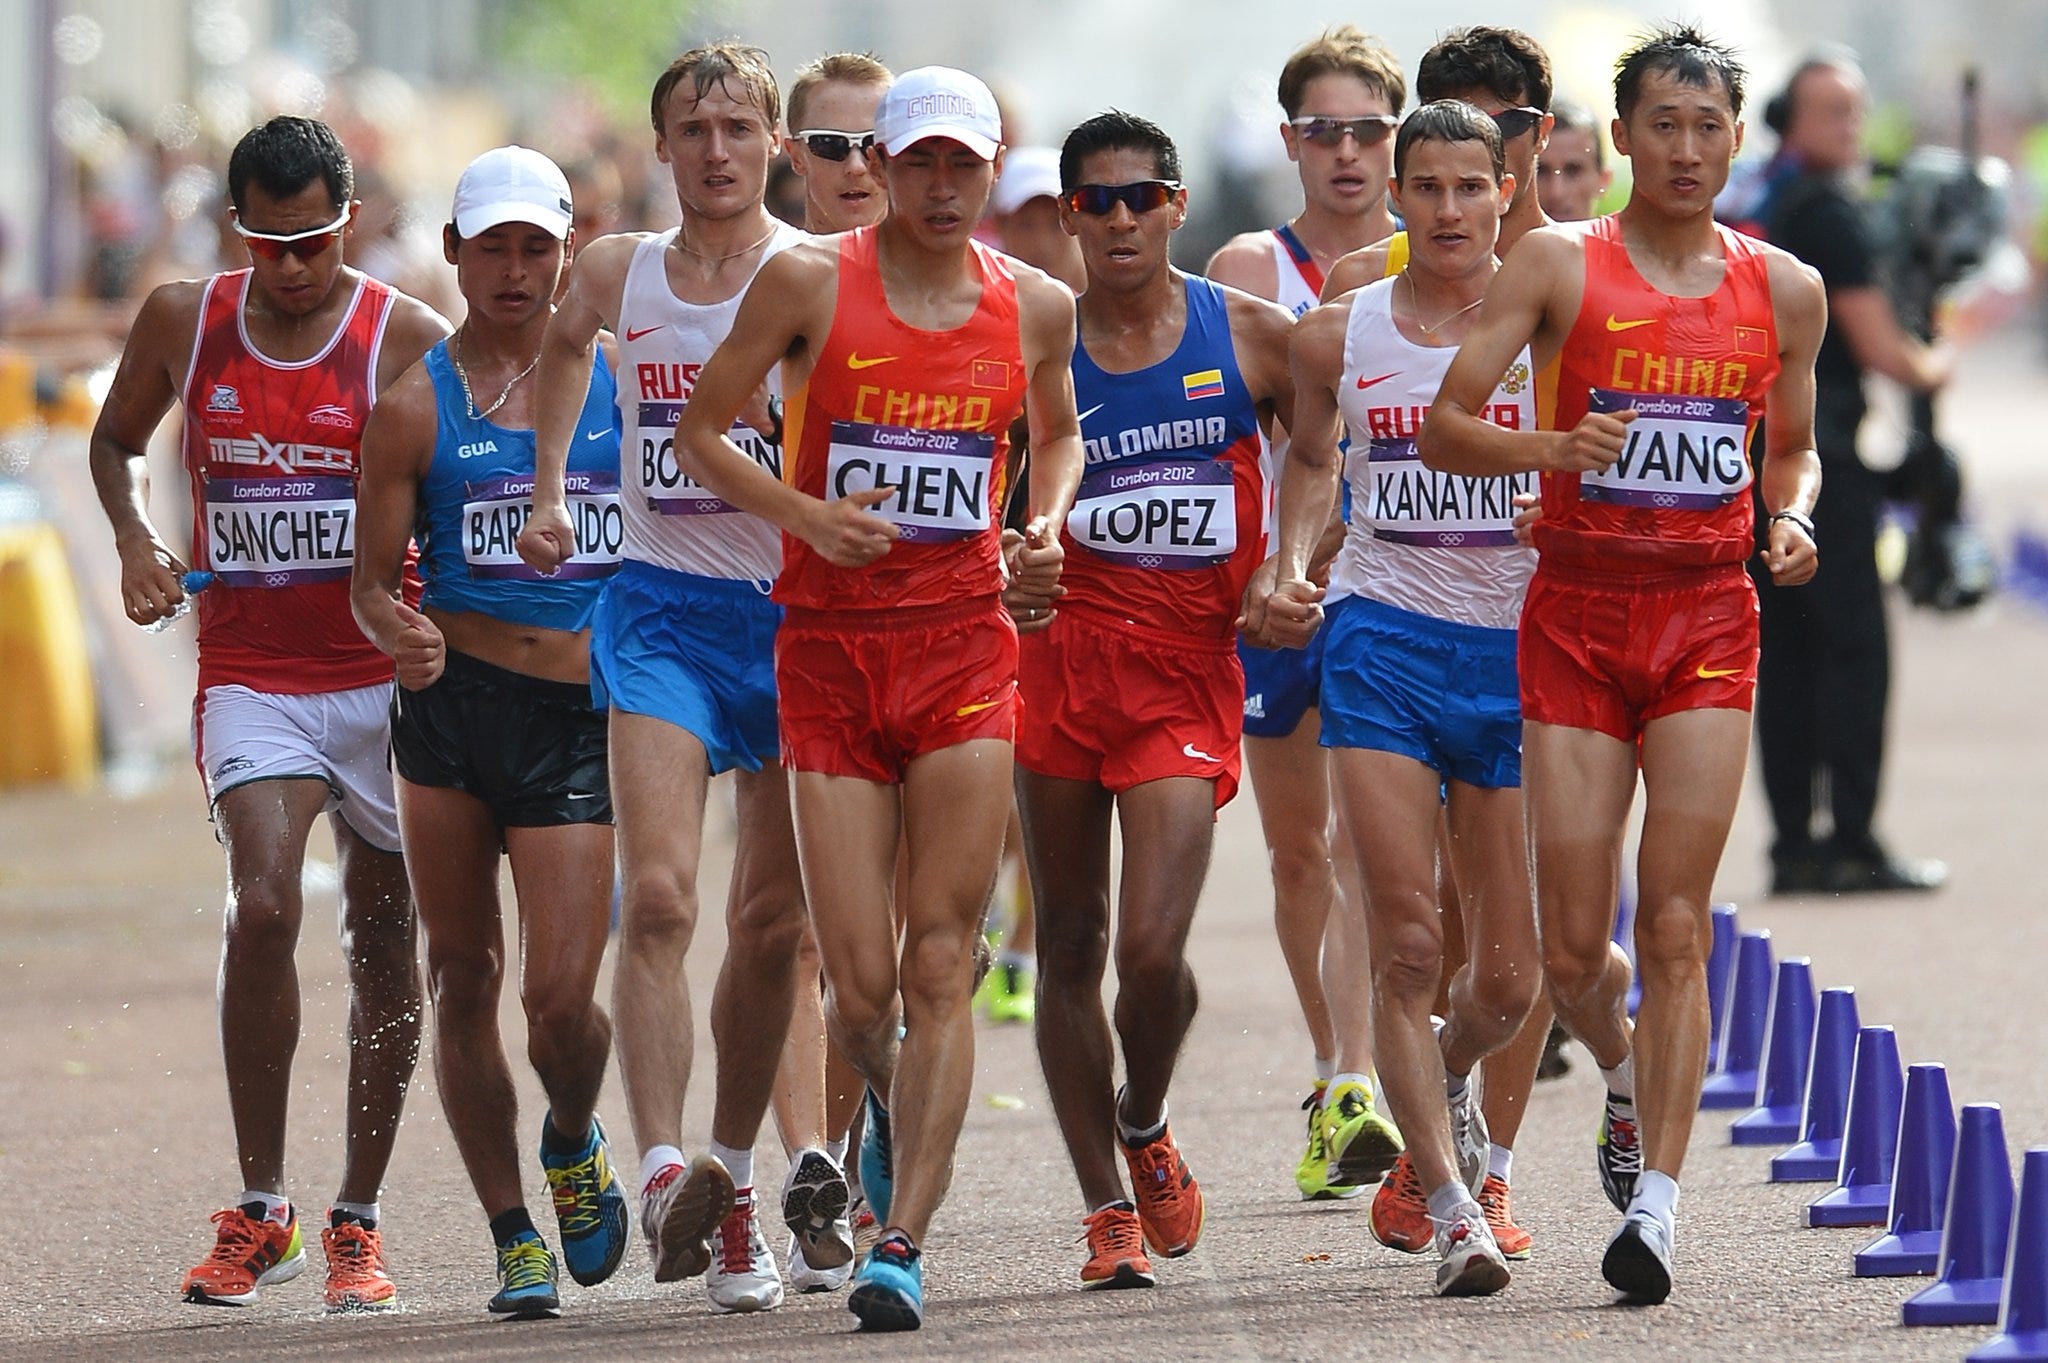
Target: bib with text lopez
<point>1176,513</point>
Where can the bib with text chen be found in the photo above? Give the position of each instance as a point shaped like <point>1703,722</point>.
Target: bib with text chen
<point>660,477</point>
<point>1411,503</point>
<point>1682,453</point>
<point>280,532</point>
<point>940,478</point>
<point>1173,513</point>
<point>495,510</point>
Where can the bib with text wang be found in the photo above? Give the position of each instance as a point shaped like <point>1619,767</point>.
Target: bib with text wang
<point>671,492</point>
<point>941,478</point>
<point>495,510</point>
<point>280,532</point>
<point>1176,513</point>
<point>1414,504</point>
<point>1681,453</point>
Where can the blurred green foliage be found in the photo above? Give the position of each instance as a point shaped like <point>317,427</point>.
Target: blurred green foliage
<point>612,48</point>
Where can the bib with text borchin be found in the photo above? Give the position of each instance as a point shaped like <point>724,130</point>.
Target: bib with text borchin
<point>1411,503</point>
<point>940,478</point>
<point>668,490</point>
<point>280,532</point>
<point>1175,513</point>
<point>1679,454</point>
<point>496,509</point>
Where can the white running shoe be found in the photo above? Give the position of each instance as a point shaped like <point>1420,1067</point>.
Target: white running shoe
<point>1638,1259</point>
<point>806,1279</point>
<point>679,1210</point>
<point>1471,1144</point>
<point>814,1198</point>
<point>1472,1264</point>
<point>742,1275</point>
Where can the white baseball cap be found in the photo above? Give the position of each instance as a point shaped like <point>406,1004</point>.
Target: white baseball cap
<point>937,101</point>
<point>512,184</point>
<point>1028,173</point>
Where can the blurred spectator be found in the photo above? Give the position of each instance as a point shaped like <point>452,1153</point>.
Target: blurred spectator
<point>1573,173</point>
<point>1025,212</point>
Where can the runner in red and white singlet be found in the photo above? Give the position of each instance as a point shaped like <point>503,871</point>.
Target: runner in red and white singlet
<point>277,367</point>
<point>1638,641</point>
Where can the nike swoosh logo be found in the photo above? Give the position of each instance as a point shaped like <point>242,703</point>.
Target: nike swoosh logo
<point>1364,382</point>
<point>976,708</point>
<point>1091,411</point>
<point>596,435</point>
<point>1705,673</point>
<point>1190,750</point>
<point>588,796</point>
<point>1616,324</point>
<point>632,335</point>
<point>854,361</point>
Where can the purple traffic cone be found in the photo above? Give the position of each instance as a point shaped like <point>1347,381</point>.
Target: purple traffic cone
<point>1927,1150</point>
<point>1870,1142</point>
<point>1788,1045</point>
<point>1974,1227</point>
<point>2023,1304</point>
<point>1818,1155</point>
<point>1720,970</point>
<point>1737,1072</point>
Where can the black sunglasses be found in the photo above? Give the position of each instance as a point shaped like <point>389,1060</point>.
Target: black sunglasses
<point>830,145</point>
<point>1370,131</point>
<point>1514,122</point>
<point>1140,196</point>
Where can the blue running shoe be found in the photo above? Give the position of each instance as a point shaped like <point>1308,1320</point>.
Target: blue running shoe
<point>526,1280</point>
<point>877,1161</point>
<point>888,1293</point>
<point>590,1207</point>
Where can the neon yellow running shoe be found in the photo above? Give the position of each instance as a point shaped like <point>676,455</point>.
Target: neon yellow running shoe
<point>1312,1175</point>
<point>1362,1144</point>
<point>1008,994</point>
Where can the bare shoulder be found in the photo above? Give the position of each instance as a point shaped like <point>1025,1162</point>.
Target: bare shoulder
<point>1358,268</point>
<point>1324,324</point>
<point>808,264</point>
<point>1246,262</point>
<point>1041,299</point>
<point>1794,283</point>
<point>1551,246</point>
<point>1252,315</point>
<point>607,257</point>
<point>405,418</point>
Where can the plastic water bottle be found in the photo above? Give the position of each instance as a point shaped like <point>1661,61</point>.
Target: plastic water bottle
<point>194,583</point>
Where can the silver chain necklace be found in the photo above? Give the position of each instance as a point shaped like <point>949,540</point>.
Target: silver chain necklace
<point>462,376</point>
<point>1428,328</point>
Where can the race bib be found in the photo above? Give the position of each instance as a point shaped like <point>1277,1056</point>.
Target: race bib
<point>1410,503</point>
<point>496,509</point>
<point>940,478</point>
<point>671,492</point>
<point>1176,514</point>
<point>280,532</point>
<point>1682,453</point>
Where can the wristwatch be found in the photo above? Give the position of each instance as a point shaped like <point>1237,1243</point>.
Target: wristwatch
<point>1798,518</point>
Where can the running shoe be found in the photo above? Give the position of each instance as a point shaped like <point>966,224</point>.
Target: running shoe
<point>1556,1063</point>
<point>888,1292</point>
<point>1514,1242</point>
<point>1312,1175</point>
<point>1471,1265</point>
<point>1638,1260</point>
<point>590,1207</point>
<point>1116,1249</point>
<point>1471,1146</point>
<point>743,1276</point>
<point>866,1230</point>
<point>1362,1143</point>
<point>526,1280</point>
<point>806,1279</point>
<point>356,1280</point>
<point>249,1252</point>
<point>1399,1217</point>
<point>814,1208</point>
<point>877,1161</point>
<point>1008,994</point>
<point>1170,1206</point>
<point>1619,1151</point>
<point>679,1209</point>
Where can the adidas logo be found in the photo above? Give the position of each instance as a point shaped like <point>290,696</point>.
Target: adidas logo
<point>1255,706</point>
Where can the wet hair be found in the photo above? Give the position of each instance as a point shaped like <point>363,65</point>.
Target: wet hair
<point>1570,117</point>
<point>714,65</point>
<point>284,156</point>
<point>1505,62</point>
<point>1117,131</point>
<point>1450,120</point>
<point>855,68</point>
<point>1343,51</point>
<point>1686,54</point>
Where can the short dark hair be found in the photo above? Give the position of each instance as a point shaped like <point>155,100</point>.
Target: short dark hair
<point>1343,51</point>
<point>1116,130</point>
<point>284,156</point>
<point>1450,120</point>
<point>1505,62</point>
<point>1569,116</point>
<point>714,64</point>
<point>1684,52</point>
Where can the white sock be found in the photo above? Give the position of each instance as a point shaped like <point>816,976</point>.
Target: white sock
<point>1364,1081</point>
<point>1657,1194</point>
<point>837,1150</point>
<point>1499,1160</point>
<point>1446,1202</point>
<point>1138,1134</point>
<point>369,1213</point>
<point>738,1163</point>
<point>275,1208</point>
<point>1325,1069</point>
<point>657,1159</point>
<point>1456,1086</point>
<point>1621,1080</point>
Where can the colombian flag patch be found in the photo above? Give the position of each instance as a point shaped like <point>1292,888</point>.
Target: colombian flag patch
<point>1206,384</point>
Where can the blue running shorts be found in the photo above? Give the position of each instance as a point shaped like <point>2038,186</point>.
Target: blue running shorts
<point>1280,685</point>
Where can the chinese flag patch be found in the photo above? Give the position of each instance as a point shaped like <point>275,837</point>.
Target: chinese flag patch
<point>1750,341</point>
<point>989,374</point>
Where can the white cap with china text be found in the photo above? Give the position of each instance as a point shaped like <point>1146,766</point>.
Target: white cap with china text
<point>512,184</point>
<point>938,101</point>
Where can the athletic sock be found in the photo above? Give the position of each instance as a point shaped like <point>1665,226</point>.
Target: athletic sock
<point>1446,1202</point>
<point>1122,1204</point>
<point>364,1214</point>
<point>1499,1160</point>
<point>837,1150</point>
<point>1326,1069</point>
<point>507,1225</point>
<point>554,1142</point>
<point>1137,1137</point>
<point>738,1163</point>
<point>1349,1077</point>
<point>657,1159</point>
<point>265,1206</point>
<point>1456,1086</point>
<point>1657,1194</point>
<point>1621,1080</point>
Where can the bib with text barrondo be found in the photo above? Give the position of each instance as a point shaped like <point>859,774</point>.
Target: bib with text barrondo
<point>941,478</point>
<point>495,510</point>
<point>280,532</point>
<point>1681,453</point>
<point>661,480</point>
<point>1410,503</point>
<point>1175,513</point>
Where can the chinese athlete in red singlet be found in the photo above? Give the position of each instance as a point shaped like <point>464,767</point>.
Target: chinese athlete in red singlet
<point>907,352</point>
<point>1639,637</point>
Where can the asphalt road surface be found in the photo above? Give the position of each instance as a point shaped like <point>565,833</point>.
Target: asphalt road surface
<point>114,1139</point>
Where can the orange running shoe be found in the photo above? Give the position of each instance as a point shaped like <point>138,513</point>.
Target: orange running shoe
<point>1400,1211</point>
<point>1116,1250</point>
<point>1514,1242</point>
<point>356,1280</point>
<point>248,1252</point>
<point>1170,1204</point>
